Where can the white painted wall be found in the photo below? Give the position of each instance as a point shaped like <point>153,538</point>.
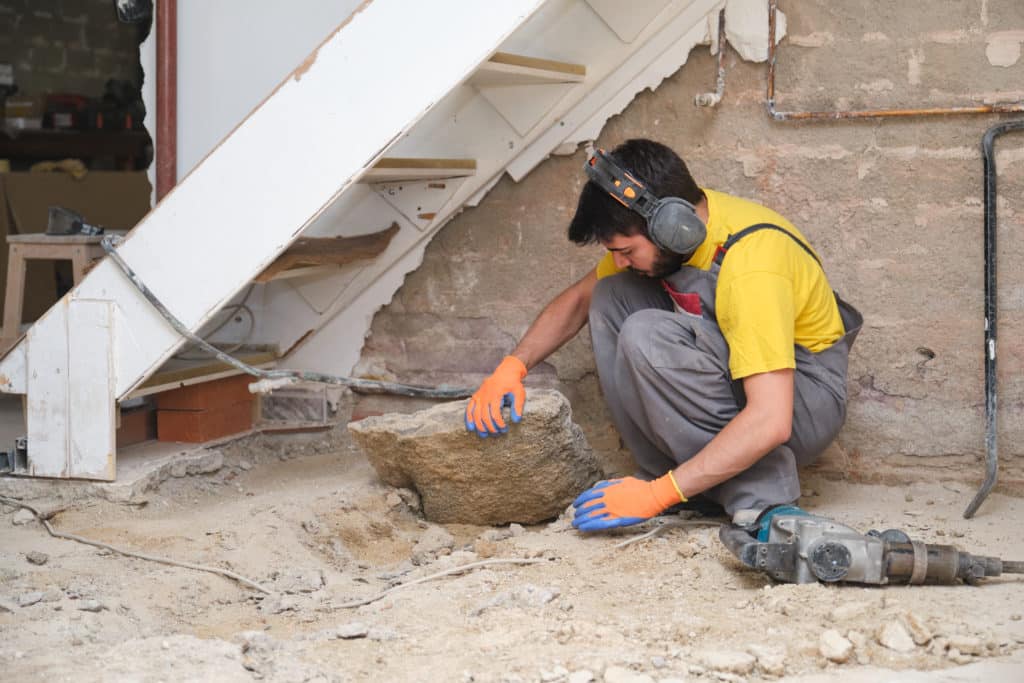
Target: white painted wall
<point>231,55</point>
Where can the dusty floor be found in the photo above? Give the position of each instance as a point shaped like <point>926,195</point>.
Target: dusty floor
<point>319,530</point>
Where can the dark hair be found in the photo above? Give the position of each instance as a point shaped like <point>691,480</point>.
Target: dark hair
<point>600,217</point>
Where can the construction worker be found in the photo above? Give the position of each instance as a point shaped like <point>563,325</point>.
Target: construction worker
<point>720,346</point>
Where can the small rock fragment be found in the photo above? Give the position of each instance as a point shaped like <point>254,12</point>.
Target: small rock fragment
<point>23,516</point>
<point>353,630</point>
<point>27,599</point>
<point>770,660</point>
<point>535,596</point>
<point>687,549</point>
<point>834,647</point>
<point>91,606</point>
<point>485,548</point>
<point>36,557</point>
<point>245,465</point>
<point>581,676</point>
<point>729,661</point>
<point>849,610</point>
<point>895,637</point>
<point>433,542</point>
<point>7,605</point>
<point>917,629</point>
<point>278,603</point>
<point>968,645</point>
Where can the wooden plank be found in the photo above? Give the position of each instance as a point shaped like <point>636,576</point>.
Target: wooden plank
<point>418,169</point>
<point>537,63</point>
<point>309,252</point>
<point>92,413</point>
<point>504,70</point>
<point>179,373</point>
<point>46,408</point>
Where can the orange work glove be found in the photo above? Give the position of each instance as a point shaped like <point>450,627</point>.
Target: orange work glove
<point>621,502</point>
<point>503,388</point>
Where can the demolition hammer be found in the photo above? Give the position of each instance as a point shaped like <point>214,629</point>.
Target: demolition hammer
<point>803,548</point>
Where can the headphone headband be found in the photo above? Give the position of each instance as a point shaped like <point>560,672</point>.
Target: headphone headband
<point>621,184</point>
<point>672,222</point>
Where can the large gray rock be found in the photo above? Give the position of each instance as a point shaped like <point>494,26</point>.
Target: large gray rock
<point>527,475</point>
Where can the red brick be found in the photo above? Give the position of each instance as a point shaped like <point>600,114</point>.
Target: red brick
<point>218,393</point>
<point>198,426</point>
<point>136,426</point>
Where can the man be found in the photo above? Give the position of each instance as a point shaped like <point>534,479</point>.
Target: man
<point>720,346</point>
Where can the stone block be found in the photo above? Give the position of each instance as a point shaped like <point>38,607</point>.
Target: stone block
<point>528,475</point>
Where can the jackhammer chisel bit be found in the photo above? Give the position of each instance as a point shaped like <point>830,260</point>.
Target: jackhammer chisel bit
<point>802,548</point>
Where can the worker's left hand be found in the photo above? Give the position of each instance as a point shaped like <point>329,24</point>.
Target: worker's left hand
<point>621,502</point>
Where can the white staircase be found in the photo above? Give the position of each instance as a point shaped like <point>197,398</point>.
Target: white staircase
<point>404,115</point>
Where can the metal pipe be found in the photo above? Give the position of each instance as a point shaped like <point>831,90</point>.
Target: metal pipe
<point>711,99</point>
<point>166,96</point>
<point>861,113</point>
<point>365,386</point>
<point>991,445</point>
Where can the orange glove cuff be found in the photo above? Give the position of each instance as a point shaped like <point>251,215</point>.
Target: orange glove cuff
<point>511,364</point>
<point>666,491</point>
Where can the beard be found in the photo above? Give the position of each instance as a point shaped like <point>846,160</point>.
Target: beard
<point>666,263</point>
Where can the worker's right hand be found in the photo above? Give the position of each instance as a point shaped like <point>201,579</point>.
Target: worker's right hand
<point>503,387</point>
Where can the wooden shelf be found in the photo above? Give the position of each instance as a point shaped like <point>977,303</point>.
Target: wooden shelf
<point>309,255</point>
<point>177,373</point>
<point>504,69</point>
<point>397,169</point>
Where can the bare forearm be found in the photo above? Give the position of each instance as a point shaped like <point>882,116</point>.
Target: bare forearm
<point>744,441</point>
<point>559,322</point>
<point>761,426</point>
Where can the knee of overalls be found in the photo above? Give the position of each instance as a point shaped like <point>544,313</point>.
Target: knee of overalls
<point>641,328</point>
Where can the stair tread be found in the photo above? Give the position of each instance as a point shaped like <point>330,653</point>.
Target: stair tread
<point>419,168</point>
<point>504,69</point>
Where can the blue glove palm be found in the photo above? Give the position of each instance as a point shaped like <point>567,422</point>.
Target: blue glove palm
<point>622,502</point>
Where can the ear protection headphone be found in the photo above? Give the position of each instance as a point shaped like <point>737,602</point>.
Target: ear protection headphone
<point>672,222</point>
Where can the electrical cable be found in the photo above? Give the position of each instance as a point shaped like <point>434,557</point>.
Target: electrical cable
<point>365,386</point>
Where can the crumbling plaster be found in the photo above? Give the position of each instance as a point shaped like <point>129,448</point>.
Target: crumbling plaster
<point>894,207</point>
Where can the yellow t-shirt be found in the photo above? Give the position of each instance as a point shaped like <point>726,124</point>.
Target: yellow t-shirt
<point>770,295</point>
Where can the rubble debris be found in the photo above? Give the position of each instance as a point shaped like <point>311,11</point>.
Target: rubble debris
<point>37,558</point>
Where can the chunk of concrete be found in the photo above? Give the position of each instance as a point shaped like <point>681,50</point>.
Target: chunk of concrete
<point>528,475</point>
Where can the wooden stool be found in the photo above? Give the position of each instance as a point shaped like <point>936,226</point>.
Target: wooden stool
<point>79,249</point>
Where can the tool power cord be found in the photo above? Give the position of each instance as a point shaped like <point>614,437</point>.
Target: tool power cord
<point>278,377</point>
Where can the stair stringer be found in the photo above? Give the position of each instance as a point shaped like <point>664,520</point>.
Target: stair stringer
<point>234,213</point>
<point>660,50</point>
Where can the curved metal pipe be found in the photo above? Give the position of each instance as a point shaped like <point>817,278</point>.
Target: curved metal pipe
<point>991,450</point>
<point>166,97</point>
<point>861,113</point>
<point>711,99</point>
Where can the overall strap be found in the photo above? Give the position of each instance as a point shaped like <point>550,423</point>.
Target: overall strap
<point>733,239</point>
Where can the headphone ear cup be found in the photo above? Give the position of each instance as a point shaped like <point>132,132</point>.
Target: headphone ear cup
<point>676,227</point>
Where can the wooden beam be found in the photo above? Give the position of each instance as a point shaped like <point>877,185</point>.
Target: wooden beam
<point>309,252</point>
<point>538,64</point>
<point>395,168</point>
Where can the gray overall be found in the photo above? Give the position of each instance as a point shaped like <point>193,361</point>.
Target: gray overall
<point>665,377</point>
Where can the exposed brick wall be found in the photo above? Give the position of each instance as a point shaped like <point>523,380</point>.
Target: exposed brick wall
<point>68,46</point>
<point>894,206</point>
